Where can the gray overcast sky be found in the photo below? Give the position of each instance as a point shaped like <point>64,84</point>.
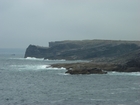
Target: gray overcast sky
<point>24,22</point>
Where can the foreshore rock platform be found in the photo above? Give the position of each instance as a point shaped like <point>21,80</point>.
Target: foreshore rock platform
<point>99,68</point>
<point>85,68</point>
<point>105,55</point>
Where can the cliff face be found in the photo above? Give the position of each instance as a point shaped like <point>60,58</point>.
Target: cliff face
<point>132,64</point>
<point>86,49</point>
<point>35,51</point>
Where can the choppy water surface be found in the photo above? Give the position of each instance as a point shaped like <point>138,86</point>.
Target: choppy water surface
<point>29,82</point>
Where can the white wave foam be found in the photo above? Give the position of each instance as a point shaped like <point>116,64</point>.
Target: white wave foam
<point>35,67</point>
<point>54,68</point>
<point>28,58</point>
<point>33,58</point>
<point>55,59</point>
<point>125,73</point>
<point>29,67</point>
<point>63,74</point>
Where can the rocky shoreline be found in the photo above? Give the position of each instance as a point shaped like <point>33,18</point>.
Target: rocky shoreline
<point>83,49</point>
<point>105,55</point>
<point>87,71</point>
<point>85,68</point>
<point>100,68</point>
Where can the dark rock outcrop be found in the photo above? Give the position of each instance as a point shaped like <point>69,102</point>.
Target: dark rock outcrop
<point>87,71</point>
<point>121,56</point>
<point>132,65</point>
<point>88,51</point>
<point>35,51</point>
<point>86,68</point>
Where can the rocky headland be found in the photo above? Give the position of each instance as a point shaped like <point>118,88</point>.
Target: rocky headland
<point>104,55</point>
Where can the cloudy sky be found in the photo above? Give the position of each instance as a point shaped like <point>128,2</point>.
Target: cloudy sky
<point>24,22</point>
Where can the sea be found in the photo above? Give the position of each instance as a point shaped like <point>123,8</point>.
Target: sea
<point>32,81</point>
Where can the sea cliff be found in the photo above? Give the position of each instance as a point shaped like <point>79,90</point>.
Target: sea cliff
<point>83,49</point>
<point>105,55</point>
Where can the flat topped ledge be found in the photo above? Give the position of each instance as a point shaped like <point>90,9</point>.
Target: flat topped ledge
<point>87,71</point>
<point>85,68</point>
<point>100,68</point>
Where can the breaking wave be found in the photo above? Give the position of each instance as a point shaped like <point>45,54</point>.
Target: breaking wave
<point>29,67</point>
<point>41,59</point>
<point>33,58</point>
<point>28,58</point>
<point>125,73</point>
<point>34,67</point>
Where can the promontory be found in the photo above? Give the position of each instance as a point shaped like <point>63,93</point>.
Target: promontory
<point>104,55</point>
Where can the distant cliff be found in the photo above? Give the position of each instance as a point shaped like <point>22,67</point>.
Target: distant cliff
<point>84,50</point>
<point>35,51</point>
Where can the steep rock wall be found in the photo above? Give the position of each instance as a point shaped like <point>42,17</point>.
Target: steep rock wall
<point>35,51</point>
<point>85,49</point>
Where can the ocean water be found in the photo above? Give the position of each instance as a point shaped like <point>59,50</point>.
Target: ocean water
<point>29,82</point>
